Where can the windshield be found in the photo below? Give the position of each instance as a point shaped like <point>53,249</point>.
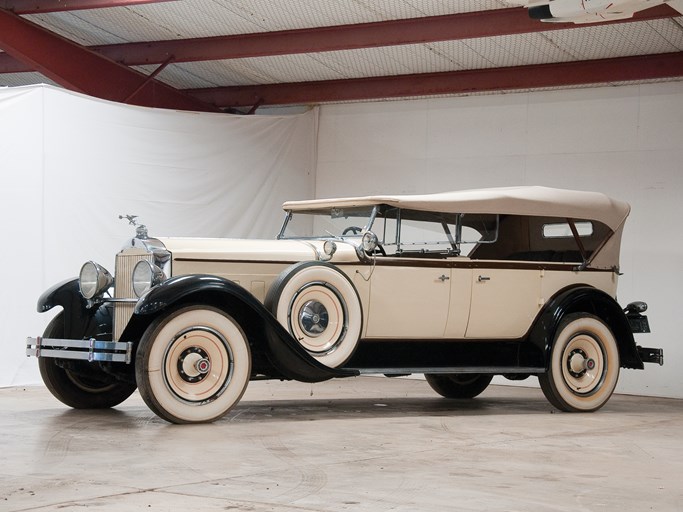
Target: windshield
<point>327,223</point>
<point>400,232</point>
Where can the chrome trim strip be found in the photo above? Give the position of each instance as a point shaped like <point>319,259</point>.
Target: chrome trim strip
<point>113,299</point>
<point>84,350</point>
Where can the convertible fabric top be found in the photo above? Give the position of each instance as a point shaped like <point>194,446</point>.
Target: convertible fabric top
<point>537,201</point>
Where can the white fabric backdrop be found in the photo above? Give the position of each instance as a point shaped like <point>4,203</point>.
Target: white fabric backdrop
<point>70,164</point>
<point>623,141</point>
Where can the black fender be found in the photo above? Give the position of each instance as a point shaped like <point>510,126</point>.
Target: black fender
<point>265,334</point>
<point>584,299</point>
<point>81,320</point>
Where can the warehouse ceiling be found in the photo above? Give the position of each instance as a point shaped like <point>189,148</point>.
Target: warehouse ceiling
<point>238,55</point>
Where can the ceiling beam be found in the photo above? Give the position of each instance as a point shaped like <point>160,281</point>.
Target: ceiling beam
<point>645,67</point>
<point>41,6</point>
<point>80,69</point>
<point>451,27</point>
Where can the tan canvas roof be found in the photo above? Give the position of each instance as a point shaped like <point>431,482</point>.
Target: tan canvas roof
<point>534,200</point>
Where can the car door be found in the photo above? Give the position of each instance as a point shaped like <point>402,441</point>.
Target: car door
<point>505,302</point>
<point>409,298</point>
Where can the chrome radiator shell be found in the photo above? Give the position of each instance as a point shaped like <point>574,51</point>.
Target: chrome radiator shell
<point>123,286</point>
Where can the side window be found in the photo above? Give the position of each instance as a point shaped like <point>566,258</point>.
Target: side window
<point>563,230</point>
<point>386,229</point>
<point>414,233</point>
<point>427,236</point>
<point>477,229</point>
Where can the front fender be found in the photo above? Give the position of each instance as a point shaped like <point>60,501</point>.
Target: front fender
<point>266,336</point>
<point>80,321</point>
<point>585,299</point>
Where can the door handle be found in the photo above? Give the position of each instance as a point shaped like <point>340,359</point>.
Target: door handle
<point>443,277</point>
<point>483,278</point>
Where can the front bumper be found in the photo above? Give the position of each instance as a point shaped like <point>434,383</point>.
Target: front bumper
<point>84,350</point>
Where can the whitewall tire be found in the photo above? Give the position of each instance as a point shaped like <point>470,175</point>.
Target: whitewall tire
<point>320,308</point>
<point>584,365</point>
<point>193,365</point>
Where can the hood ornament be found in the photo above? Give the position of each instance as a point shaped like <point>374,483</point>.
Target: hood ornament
<point>140,229</point>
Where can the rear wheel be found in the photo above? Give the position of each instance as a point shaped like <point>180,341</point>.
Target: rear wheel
<point>193,365</point>
<point>458,385</point>
<point>584,365</point>
<point>79,384</point>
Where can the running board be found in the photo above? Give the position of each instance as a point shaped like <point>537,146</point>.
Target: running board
<point>470,369</point>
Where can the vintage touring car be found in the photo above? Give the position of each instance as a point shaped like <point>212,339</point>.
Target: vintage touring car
<point>458,286</point>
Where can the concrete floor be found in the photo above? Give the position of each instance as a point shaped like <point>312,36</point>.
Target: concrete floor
<point>365,444</point>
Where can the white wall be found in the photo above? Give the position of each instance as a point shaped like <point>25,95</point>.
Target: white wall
<point>623,141</point>
<point>70,164</point>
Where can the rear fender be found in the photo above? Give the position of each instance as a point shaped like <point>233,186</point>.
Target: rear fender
<point>267,338</point>
<point>585,299</point>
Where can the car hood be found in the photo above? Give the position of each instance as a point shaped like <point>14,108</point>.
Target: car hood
<point>233,249</point>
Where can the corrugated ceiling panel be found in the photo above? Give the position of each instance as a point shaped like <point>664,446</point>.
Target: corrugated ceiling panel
<point>659,36</point>
<point>203,18</point>
<point>207,18</point>
<point>17,79</point>
<point>503,51</point>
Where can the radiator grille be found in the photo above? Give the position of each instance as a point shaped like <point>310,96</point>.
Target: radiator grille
<point>123,287</point>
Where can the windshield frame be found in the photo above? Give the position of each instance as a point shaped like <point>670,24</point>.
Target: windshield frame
<point>330,236</point>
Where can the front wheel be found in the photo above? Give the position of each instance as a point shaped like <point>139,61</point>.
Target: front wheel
<point>584,365</point>
<point>80,384</point>
<point>456,385</point>
<point>193,365</point>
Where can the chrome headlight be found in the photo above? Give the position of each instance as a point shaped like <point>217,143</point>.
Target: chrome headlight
<point>369,242</point>
<point>94,280</point>
<point>145,276</point>
<point>329,248</point>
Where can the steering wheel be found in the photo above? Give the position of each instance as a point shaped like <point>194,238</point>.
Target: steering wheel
<point>380,249</point>
<point>355,230</point>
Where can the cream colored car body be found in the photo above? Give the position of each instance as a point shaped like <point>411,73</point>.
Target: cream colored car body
<point>403,299</point>
<point>463,306</point>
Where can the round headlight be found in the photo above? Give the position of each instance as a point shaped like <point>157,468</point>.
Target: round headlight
<point>145,276</point>
<point>369,242</point>
<point>329,247</point>
<point>94,280</point>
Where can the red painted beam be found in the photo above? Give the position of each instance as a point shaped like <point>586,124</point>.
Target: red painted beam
<point>348,37</point>
<point>79,69</point>
<point>40,6</point>
<point>621,69</point>
<point>343,37</point>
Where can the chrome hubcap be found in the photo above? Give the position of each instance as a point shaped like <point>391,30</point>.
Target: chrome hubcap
<point>313,318</point>
<point>193,364</point>
<point>579,363</point>
<point>584,365</point>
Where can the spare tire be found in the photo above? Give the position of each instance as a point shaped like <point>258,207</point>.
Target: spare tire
<point>319,306</point>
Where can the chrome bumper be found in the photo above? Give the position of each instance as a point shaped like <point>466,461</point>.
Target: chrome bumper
<point>84,350</point>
